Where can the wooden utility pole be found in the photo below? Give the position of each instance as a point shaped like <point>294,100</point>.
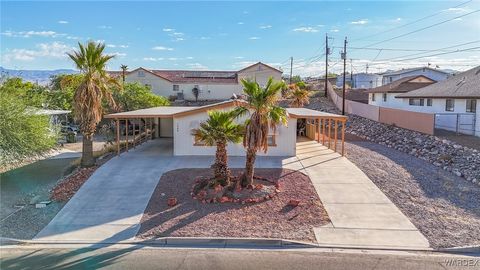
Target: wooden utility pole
<point>291,69</point>
<point>351,73</point>
<point>326,64</point>
<point>344,57</point>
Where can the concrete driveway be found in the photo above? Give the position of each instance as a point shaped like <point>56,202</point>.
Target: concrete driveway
<point>110,205</point>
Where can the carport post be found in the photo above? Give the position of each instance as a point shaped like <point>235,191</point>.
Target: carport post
<point>117,121</point>
<point>335,147</point>
<point>329,132</point>
<point>344,126</point>
<point>318,129</point>
<point>126,134</point>
<point>323,131</point>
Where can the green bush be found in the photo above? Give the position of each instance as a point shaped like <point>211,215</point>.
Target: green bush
<point>136,96</point>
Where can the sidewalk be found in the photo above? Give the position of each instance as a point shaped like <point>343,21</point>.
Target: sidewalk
<point>361,215</point>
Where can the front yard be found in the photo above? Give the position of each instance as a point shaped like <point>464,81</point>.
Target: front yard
<point>273,218</point>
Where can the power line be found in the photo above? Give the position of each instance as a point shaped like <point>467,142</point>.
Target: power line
<point>410,23</point>
<point>420,29</point>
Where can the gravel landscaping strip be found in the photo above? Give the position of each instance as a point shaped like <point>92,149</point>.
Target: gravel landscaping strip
<point>445,208</point>
<point>269,219</point>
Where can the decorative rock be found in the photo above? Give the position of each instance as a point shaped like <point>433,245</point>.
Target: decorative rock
<point>172,201</point>
<point>294,202</point>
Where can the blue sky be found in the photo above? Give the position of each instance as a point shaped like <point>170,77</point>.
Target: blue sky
<point>231,35</point>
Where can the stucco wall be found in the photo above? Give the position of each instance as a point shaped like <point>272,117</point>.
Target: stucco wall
<point>184,141</point>
<point>260,73</point>
<point>422,122</point>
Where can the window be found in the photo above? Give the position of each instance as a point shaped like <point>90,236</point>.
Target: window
<point>271,140</point>
<point>429,102</point>
<point>391,79</point>
<point>141,73</point>
<point>449,105</point>
<point>471,105</point>
<point>384,97</point>
<point>176,87</point>
<point>415,101</point>
<point>373,97</point>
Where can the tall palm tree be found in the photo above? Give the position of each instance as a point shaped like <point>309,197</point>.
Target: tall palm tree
<point>265,115</point>
<point>93,90</point>
<point>124,71</point>
<point>218,130</point>
<point>299,96</point>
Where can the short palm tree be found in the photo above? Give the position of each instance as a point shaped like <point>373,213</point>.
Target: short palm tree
<point>218,130</point>
<point>265,115</point>
<point>299,96</point>
<point>94,89</point>
<point>124,71</point>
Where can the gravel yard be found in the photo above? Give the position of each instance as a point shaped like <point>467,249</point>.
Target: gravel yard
<point>269,219</point>
<point>444,207</point>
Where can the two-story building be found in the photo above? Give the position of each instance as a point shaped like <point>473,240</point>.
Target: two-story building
<point>210,85</point>
<point>431,73</point>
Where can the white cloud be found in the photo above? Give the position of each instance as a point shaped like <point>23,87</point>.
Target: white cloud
<point>62,22</point>
<point>240,23</point>
<point>360,22</point>
<point>27,34</point>
<point>189,57</point>
<point>104,27</point>
<point>117,46</point>
<point>306,29</point>
<point>54,50</point>
<point>162,48</point>
<point>119,54</point>
<point>153,59</point>
<point>239,57</point>
<point>253,38</point>
<point>265,27</point>
<point>168,29</point>
<point>173,59</point>
<point>205,38</point>
<point>196,66</point>
<point>457,10</point>
<point>334,30</point>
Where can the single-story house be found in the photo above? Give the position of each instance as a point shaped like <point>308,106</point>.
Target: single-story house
<point>431,73</point>
<point>453,101</point>
<point>360,80</point>
<point>177,123</point>
<point>211,85</point>
<point>384,96</point>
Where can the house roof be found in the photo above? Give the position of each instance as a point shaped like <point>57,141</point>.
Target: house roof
<point>195,76</point>
<point>462,85</point>
<point>402,85</point>
<point>309,113</point>
<point>171,111</point>
<point>406,70</point>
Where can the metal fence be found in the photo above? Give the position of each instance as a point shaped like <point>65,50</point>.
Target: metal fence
<point>460,123</point>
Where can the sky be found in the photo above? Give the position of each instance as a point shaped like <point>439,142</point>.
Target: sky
<point>231,35</point>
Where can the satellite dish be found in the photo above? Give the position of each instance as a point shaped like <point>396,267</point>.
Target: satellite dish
<point>234,96</point>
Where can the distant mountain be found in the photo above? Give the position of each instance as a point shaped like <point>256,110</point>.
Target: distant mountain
<point>41,77</point>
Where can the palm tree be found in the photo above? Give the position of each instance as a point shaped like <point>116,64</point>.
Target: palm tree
<point>92,91</point>
<point>124,71</point>
<point>265,115</point>
<point>218,130</point>
<point>299,96</point>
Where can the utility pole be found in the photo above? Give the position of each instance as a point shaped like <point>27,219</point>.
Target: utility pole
<point>326,64</point>
<point>291,69</point>
<point>351,74</point>
<point>344,57</point>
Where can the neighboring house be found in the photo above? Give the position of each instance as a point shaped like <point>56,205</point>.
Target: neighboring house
<point>212,85</point>
<point>177,123</point>
<point>361,80</point>
<point>454,102</point>
<point>384,96</point>
<point>434,74</point>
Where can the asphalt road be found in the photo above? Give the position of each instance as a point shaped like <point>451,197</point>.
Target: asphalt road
<point>159,258</point>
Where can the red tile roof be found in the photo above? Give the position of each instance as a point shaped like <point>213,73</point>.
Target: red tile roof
<point>402,85</point>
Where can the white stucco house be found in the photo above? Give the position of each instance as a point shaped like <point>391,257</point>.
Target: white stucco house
<point>361,80</point>
<point>212,85</point>
<point>431,73</point>
<point>453,101</point>
<point>177,123</point>
<point>384,96</point>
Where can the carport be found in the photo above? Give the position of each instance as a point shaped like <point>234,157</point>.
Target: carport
<point>151,119</point>
<point>322,127</point>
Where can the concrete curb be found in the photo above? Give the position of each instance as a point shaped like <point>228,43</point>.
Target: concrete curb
<point>465,249</point>
<point>5,241</point>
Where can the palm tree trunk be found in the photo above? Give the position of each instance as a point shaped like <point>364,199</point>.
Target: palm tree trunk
<point>247,178</point>
<point>220,167</point>
<point>87,152</point>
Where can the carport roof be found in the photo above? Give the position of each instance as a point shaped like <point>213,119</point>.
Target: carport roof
<point>309,113</point>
